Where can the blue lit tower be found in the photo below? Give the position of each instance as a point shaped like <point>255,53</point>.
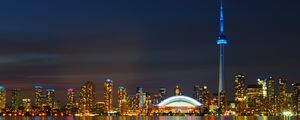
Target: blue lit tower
<point>221,42</point>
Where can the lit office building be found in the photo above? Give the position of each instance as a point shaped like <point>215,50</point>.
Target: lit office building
<point>122,100</point>
<point>156,98</point>
<point>26,103</point>
<point>148,104</point>
<point>263,106</point>
<point>2,97</point>
<point>100,108</point>
<point>162,93</point>
<point>87,97</point>
<point>223,102</point>
<point>204,96</point>
<point>50,93</point>
<point>16,99</point>
<point>177,91</point>
<point>38,95</point>
<point>270,104</point>
<point>133,104</point>
<point>282,98</point>
<point>254,94</point>
<point>71,98</point>
<point>196,93</point>
<point>108,88</point>
<point>296,98</point>
<point>239,94</point>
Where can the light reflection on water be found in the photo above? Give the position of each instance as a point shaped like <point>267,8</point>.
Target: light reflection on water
<point>153,118</point>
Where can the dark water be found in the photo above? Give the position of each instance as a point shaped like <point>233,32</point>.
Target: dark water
<point>151,118</point>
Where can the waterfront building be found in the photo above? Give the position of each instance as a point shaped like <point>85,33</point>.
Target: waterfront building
<point>204,96</point>
<point>26,103</point>
<point>254,95</point>
<point>271,98</point>
<point>87,97</point>
<point>296,98</point>
<point>38,96</point>
<point>50,94</point>
<point>162,93</point>
<point>16,99</point>
<point>282,98</point>
<point>2,97</point>
<point>177,91</point>
<point>108,88</point>
<point>178,105</point>
<point>239,85</point>
<point>71,98</point>
<point>122,100</point>
<point>196,93</point>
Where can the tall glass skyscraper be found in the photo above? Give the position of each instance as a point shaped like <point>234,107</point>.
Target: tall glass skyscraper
<point>108,88</point>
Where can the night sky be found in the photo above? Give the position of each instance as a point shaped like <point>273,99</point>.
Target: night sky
<point>147,43</point>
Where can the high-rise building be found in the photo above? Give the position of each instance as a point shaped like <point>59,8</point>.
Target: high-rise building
<point>282,98</point>
<point>254,95</point>
<point>162,93</point>
<point>71,97</point>
<point>148,104</point>
<point>204,96</point>
<point>50,93</point>
<point>38,95</point>
<point>16,99</point>
<point>2,97</point>
<point>296,98</point>
<point>222,41</point>
<point>26,103</point>
<point>141,97</point>
<point>239,94</point>
<point>177,91</point>
<point>223,102</point>
<point>108,88</point>
<point>270,103</point>
<point>196,93</point>
<point>122,100</point>
<point>263,83</point>
<point>133,103</point>
<point>264,107</point>
<point>87,97</point>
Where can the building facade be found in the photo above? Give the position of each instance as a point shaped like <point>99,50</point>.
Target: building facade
<point>108,89</point>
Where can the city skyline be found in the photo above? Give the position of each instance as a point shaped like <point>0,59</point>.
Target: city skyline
<point>158,43</point>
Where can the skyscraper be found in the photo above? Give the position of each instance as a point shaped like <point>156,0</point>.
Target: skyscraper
<point>254,95</point>
<point>204,96</point>
<point>282,98</point>
<point>239,92</point>
<point>162,93</point>
<point>122,100</point>
<point>108,88</point>
<point>38,95</point>
<point>2,97</point>
<point>71,98</point>
<point>221,42</point>
<point>87,97</point>
<point>26,102</point>
<point>50,97</point>
<point>296,98</point>
<point>16,99</point>
<point>271,98</point>
<point>196,93</point>
<point>177,91</point>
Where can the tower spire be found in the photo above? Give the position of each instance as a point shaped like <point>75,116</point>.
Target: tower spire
<point>221,34</point>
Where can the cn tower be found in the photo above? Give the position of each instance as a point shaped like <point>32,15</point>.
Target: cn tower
<point>221,42</point>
